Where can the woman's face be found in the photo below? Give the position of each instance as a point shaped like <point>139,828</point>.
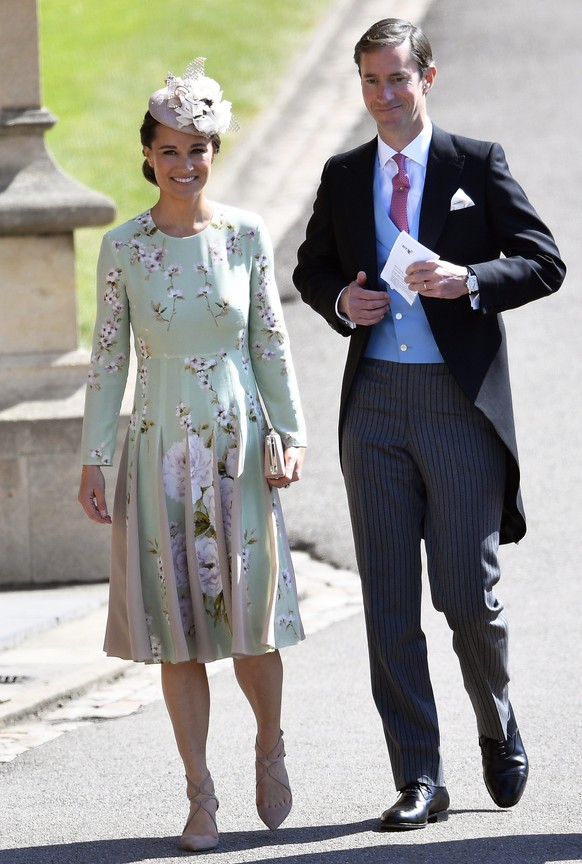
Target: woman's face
<point>181,162</point>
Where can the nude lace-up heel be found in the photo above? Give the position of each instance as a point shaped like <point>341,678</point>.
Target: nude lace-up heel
<point>200,797</point>
<point>272,765</point>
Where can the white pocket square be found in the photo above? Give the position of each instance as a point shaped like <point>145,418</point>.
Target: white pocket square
<point>461,200</point>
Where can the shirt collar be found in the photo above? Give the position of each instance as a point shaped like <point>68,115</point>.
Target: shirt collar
<point>417,150</point>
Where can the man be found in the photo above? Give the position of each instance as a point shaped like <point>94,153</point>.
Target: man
<point>427,438</point>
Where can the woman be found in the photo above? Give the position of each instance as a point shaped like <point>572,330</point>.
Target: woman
<point>201,567</point>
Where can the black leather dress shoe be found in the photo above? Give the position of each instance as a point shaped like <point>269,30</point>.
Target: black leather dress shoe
<point>417,805</point>
<point>505,768</point>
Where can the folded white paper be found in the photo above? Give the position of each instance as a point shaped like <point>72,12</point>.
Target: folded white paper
<point>460,200</point>
<point>405,251</point>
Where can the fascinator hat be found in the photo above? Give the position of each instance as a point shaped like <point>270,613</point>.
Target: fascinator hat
<point>193,104</point>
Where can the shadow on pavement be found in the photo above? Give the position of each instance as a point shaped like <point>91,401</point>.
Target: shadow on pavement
<point>533,848</point>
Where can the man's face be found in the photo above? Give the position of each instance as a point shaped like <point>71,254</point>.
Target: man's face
<point>394,92</point>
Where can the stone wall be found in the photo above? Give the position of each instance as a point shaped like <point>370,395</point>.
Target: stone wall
<point>45,536</point>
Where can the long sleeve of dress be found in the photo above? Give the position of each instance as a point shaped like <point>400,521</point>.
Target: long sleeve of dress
<point>269,347</point>
<point>109,360</point>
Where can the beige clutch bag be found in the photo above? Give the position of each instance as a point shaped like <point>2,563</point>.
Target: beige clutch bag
<point>274,458</point>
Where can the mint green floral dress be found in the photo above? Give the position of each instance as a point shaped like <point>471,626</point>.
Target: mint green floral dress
<point>200,560</point>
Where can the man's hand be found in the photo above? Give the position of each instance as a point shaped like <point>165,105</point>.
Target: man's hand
<point>437,279</point>
<point>361,305</point>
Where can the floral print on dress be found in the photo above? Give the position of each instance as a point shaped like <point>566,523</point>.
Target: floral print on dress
<point>105,339</point>
<point>202,493</point>
<point>174,468</point>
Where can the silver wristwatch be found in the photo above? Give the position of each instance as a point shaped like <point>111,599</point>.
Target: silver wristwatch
<point>471,282</point>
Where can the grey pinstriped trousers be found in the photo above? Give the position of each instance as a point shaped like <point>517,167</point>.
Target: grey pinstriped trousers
<point>420,461</point>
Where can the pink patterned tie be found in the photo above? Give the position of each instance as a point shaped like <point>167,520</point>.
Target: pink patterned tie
<point>400,187</point>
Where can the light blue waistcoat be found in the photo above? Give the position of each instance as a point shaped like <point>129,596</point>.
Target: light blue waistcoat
<point>403,335</point>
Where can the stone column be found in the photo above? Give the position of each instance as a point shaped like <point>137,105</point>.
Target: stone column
<point>42,370</point>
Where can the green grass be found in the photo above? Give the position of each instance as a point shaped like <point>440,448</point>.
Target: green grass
<point>102,60</point>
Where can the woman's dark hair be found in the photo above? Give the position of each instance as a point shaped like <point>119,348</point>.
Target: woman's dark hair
<point>147,133</point>
<point>394,31</point>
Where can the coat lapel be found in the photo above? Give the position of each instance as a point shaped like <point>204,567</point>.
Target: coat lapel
<point>357,177</point>
<point>443,172</point>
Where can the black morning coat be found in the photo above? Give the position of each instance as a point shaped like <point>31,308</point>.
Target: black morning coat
<point>501,238</point>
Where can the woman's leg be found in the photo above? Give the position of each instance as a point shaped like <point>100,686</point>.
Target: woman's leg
<point>187,697</point>
<point>261,680</point>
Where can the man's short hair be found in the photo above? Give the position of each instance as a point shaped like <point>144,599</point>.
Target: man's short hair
<point>394,31</point>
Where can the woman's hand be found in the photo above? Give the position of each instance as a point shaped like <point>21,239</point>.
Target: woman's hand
<point>92,494</point>
<point>294,457</point>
